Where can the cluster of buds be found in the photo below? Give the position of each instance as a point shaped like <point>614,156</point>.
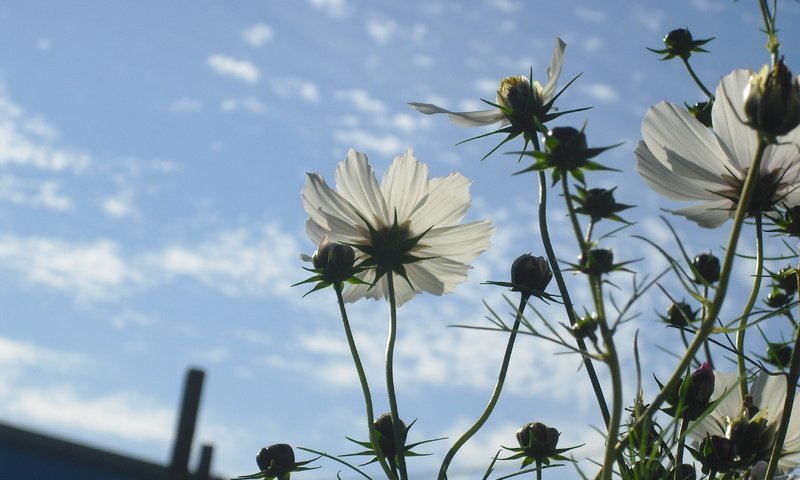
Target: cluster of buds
<point>784,287</point>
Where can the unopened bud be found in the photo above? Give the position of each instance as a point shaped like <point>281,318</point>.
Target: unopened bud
<point>537,440</point>
<point>567,148</point>
<point>779,354</point>
<point>277,460</point>
<point>702,112</point>
<point>717,454</point>
<point>334,261</point>
<point>772,100</point>
<point>597,261</point>
<point>530,274</point>
<point>706,267</point>
<point>680,314</point>
<point>385,427</point>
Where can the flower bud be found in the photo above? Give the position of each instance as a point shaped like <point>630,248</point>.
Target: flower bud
<point>530,274</point>
<point>716,454</point>
<point>567,148</point>
<point>679,42</point>
<point>786,280</point>
<point>334,261</point>
<point>752,439</point>
<point>585,327</point>
<point>684,471</point>
<point>692,396</point>
<point>702,112</point>
<point>598,203</point>
<point>597,261</point>
<point>385,428</point>
<point>779,354</point>
<point>276,460</point>
<point>702,385</point>
<point>772,100</point>
<point>537,440</point>
<point>790,224</point>
<point>680,315</point>
<point>777,299</point>
<point>706,267</point>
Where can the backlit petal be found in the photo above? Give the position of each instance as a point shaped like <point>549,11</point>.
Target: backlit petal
<point>404,185</point>
<point>554,70</point>
<point>356,182</point>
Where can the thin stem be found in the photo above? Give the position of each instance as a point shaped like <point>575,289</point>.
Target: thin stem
<point>396,427</point>
<point>681,441</point>
<point>707,325</point>
<point>697,79</point>
<point>498,387</point>
<point>362,377</point>
<point>538,469</point>
<point>562,290</point>
<point>582,243</point>
<point>706,345</point>
<point>740,332</point>
<point>612,360</point>
<point>788,403</point>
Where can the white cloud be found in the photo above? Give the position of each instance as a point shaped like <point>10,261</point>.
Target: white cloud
<point>27,141</point>
<point>296,88</point>
<point>600,92</point>
<point>120,205</point>
<point>228,66</point>
<point>125,415</point>
<point>24,193</point>
<point>43,44</point>
<point>506,6</point>
<point>90,271</point>
<point>257,35</point>
<point>650,19</point>
<point>16,354</point>
<point>591,15</point>
<point>244,104</point>
<point>362,101</point>
<point>381,30</point>
<point>368,142</point>
<point>334,8</point>
<point>185,105</point>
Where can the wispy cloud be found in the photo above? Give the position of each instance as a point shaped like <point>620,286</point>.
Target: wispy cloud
<point>381,30</point>
<point>28,141</point>
<point>185,105</point>
<point>231,67</point>
<point>244,104</point>
<point>26,193</point>
<point>257,35</point>
<point>362,101</point>
<point>120,205</point>
<point>334,8</point>
<point>600,92</point>
<point>369,142</point>
<point>296,88</point>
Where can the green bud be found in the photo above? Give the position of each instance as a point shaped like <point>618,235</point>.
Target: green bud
<point>598,203</point>
<point>706,267</point>
<point>585,327</point>
<point>716,454</point>
<point>597,261</point>
<point>790,224</point>
<point>680,315</point>
<point>702,112</point>
<point>567,148</point>
<point>777,299</point>
<point>684,471</point>
<point>786,280</point>
<point>680,43</point>
<point>334,261</point>
<point>530,274</point>
<point>772,100</point>
<point>752,439</point>
<point>385,428</point>
<point>538,441</point>
<point>779,354</point>
<point>277,461</point>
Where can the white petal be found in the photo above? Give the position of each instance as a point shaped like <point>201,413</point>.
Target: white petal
<point>328,209</point>
<point>422,279</point>
<point>769,392</point>
<point>461,243</point>
<point>449,273</point>
<point>446,204</point>
<point>709,214</point>
<point>404,186</point>
<point>465,119</point>
<point>678,140</point>
<point>554,70</point>
<point>355,182</point>
<point>664,181</point>
<point>727,116</point>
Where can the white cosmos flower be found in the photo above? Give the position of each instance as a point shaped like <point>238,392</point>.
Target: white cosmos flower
<point>768,394</point>
<point>683,160</point>
<point>514,92</point>
<point>432,208</point>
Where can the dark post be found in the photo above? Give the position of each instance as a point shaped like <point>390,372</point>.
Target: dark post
<point>192,388</point>
<point>204,468</point>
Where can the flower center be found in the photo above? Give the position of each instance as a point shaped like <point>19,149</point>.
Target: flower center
<point>764,195</point>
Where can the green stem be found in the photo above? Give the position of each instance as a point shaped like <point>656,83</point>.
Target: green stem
<point>396,427</point>
<point>681,442</point>
<point>362,377</point>
<point>612,360</point>
<point>697,79</point>
<point>788,403</point>
<point>582,243</point>
<point>707,325</point>
<point>740,332</point>
<point>501,378</point>
<point>706,345</point>
<point>562,290</point>
<point>538,469</point>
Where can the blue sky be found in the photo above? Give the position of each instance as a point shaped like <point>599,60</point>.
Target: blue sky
<point>151,159</point>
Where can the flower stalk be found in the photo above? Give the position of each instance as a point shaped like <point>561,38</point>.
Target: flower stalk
<point>390,391</point>
<point>740,331</point>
